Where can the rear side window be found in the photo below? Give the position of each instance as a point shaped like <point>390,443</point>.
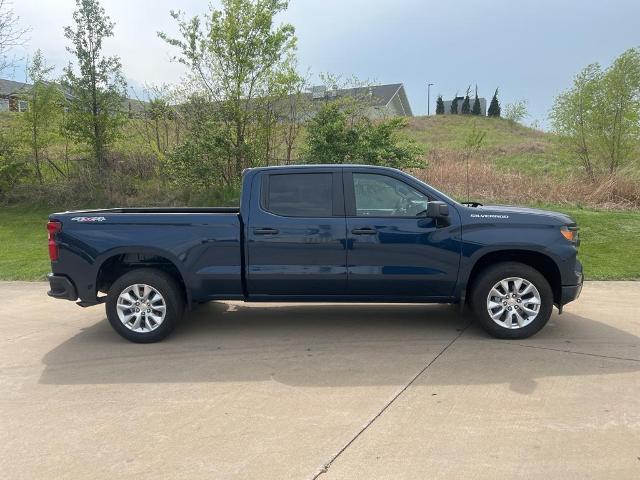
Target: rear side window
<point>299,195</point>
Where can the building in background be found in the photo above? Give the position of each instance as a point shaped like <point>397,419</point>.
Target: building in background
<point>382,101</point>
<point>10,92</point>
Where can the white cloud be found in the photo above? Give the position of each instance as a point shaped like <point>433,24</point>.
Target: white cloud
<point>145,57</point>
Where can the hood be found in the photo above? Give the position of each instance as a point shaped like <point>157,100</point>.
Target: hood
<point>561,218</point>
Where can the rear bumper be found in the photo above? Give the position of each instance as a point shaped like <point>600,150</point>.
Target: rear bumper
<point>61,287</point>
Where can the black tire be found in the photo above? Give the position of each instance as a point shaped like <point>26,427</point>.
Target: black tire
<point>485,281</point>
<point>165,285</point>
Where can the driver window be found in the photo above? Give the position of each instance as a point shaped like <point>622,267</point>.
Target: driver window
<point>382,196</point>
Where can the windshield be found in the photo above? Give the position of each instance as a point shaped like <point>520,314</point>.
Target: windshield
<point>438,192</point>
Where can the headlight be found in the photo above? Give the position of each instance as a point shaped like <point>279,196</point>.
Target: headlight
<point>570,232</point>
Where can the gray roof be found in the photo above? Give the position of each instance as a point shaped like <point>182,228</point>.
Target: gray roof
<point>380,95</point>
<point>9,87</point>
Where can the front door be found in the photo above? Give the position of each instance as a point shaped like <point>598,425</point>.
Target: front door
<point>394,251</point>
<point>296,234</point>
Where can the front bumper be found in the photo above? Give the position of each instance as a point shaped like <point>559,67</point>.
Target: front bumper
<point>61,287</point>
<point>569,293</point>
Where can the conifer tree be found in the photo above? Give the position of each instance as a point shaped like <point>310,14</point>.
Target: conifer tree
<point>476,104</point>
<point>439,106</point>
<point>454,105</point>
<point>494,106</point>
<point>466,106</point>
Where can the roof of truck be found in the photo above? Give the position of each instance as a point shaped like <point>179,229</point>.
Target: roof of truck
<point>324,165</point>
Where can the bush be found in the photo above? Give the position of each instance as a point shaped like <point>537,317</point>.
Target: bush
<point>335,137</point>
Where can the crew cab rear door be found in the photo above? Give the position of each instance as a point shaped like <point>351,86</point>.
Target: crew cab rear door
<point>296,235</point>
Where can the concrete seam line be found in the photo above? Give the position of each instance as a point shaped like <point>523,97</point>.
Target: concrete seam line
<point>324,468</point>
<point>576,353</point>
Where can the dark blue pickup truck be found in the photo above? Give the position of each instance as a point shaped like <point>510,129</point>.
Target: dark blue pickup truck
<point>331,233</point>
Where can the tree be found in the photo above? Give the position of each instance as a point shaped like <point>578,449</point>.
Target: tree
<point>39,124</point>
<point>439,106</point>
<point>97,88</point>
<point>476,104</point>
<point>232,54</point>
<point>454,105</point>
<point>618,128</point>
<point>516,111</point>
<point>599,117</point>
<point>572,116</point>
<point>202,160</point>
<point>334,136</point>
<point>466,107</point>
<point>494,106</point>
<point>12,35</point>
<point>294,106</point>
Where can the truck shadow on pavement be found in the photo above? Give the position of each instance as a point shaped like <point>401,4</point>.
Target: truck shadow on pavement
<point>341,345</point>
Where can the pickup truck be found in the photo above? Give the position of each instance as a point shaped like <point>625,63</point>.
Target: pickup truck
<point>329,233</point>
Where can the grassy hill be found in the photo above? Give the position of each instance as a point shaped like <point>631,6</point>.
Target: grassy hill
<point>516,164</point>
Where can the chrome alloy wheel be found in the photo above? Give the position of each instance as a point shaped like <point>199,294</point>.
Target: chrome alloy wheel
<point>141,308</point>
<point>513,302</point>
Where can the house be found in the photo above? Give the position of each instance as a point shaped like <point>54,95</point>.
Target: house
<point>11,101</point>
<point>382,100</point>
<point>10,92</point>
<point>483,105</point>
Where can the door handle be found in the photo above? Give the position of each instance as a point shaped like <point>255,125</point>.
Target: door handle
<point>364,231</point>
<point>265,231</point>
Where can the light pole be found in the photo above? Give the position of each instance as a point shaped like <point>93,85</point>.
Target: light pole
<point>429,98</point>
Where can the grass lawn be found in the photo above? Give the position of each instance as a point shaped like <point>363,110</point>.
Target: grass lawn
<point>23,243</point>
<point>610,244</point>
<point>610,248</point>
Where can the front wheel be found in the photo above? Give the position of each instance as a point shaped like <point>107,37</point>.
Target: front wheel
<point>512,300</point>
<point>144,305</point>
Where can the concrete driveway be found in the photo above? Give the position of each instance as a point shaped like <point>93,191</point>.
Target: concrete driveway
<point>319,391</point>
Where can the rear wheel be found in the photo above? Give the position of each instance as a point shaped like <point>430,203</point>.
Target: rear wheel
<point>144,305</point>
<point>512,300</point>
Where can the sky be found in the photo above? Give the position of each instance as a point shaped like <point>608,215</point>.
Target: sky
<point>529,49</point>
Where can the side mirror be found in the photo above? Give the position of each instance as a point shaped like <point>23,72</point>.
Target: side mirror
<point>437,209</point>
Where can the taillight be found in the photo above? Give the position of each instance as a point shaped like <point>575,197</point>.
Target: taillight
<point>53,227</point>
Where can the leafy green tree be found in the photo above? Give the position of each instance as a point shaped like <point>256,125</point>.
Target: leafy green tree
<point>466,106</point>
<point>599,117</point>
<point>494,106</point>
<point>439,106</point>
<point>454,105</point>
<point>618,126</point>
<point>232,54</point>
<point>96,87</point>
<point>39,124</point>
<point>12,34</point>
<point>573,116</point>
<point>202,160</point>
<point>516,111</point>
<point>475,110</point>
<point>334,136</point>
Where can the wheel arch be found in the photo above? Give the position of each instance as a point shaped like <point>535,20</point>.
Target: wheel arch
<point>120,261</point>
<point>537,260</point>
